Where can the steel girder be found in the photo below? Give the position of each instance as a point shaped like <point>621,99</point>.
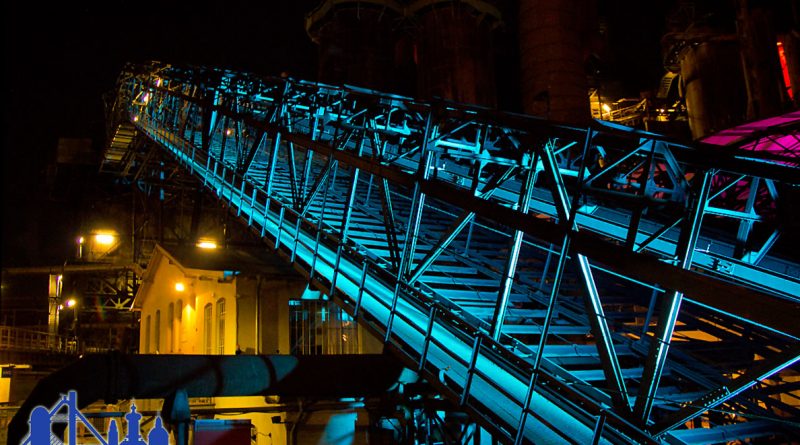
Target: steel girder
<point>434,225</point>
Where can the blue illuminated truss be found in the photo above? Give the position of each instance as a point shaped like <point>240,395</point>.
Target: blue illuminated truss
<point>471,240</point>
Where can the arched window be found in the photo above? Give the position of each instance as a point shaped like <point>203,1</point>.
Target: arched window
<point>157,333</point>
<point>221,326</point>
<point>208,328</point>
<point>170,327</point>
<point>147,335</point>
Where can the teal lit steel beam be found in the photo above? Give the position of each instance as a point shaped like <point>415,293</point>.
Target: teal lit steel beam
<point>452,232</point>
<point>507,279</point>
<point>724,393</point>
<point>398,146</point>
<point>605,343</point>
<point>670,308</point>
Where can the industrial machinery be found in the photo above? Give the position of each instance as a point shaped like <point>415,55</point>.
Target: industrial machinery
<point>559,283</point>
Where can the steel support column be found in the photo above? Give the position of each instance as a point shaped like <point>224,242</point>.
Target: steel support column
<point>507,279</point>
<point>668,316</point>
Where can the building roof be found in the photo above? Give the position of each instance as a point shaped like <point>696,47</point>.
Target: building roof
<point>777,135</point>
<point>225,261</point>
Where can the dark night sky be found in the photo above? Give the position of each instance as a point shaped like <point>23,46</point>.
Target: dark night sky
<point>60,63</point>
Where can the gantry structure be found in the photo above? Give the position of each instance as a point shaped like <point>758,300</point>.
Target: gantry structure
<point>561,284</point>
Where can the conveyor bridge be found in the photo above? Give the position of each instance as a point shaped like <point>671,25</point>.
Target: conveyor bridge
<point>562,284</point>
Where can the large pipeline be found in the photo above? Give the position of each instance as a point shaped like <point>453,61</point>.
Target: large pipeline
<point>112,377</point>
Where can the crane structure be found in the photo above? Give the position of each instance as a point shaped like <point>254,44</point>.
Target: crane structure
<point>561,284</point>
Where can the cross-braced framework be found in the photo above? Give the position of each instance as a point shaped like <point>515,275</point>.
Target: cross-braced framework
<point>587,285</point>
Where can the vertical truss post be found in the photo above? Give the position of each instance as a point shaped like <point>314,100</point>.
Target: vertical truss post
<point>412,228</point>
<point>252,207</point>
<point>546,268</point>
<point>746,225</point>
<point>310,153</point>
<point>598,428</point>
<point>346,215</point>
<point>296,238</point>
<point>273,159</point>
<point>223,144</point>
<point>293,176</point>
<point>670,307</point>
<point>333,164</point>
<point>281,218</point>
<point>636,217</point>
<point>649,315</point>
<point>509,271</point>
<point>389,224</point>
<point>360,295</point>
<point>537,359</point>
<point>473,361</point>
<point>423,357</point>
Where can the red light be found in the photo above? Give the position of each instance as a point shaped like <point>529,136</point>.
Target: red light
<point>785,69</point>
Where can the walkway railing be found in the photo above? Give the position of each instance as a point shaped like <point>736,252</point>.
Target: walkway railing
<point>28,340</point>
<point>504,257</point>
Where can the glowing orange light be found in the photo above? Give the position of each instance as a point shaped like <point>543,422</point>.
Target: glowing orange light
<point>207,244</point>
<point>180,287</point>
<point>105,239</point>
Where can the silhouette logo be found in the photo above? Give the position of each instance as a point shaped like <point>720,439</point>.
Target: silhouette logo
<point>42,419</point>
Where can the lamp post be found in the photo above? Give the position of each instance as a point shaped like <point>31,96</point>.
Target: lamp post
<point>72,305</point>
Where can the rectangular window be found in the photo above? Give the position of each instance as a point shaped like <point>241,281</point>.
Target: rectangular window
<point>157,333</point>
<point>321,327</point>
<point>170,327</point>
<point>208,327</point>
<point>221,326</point>
<point>147,335</point>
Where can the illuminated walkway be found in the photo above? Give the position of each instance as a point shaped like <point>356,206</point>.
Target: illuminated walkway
<point>471,239</point>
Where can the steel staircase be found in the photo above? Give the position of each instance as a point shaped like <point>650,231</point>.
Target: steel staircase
<point>472,240</point>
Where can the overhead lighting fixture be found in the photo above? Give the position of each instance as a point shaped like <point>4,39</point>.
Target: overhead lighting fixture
<point>207,244</point>
<point>180,287</point>
<point>105,239</point>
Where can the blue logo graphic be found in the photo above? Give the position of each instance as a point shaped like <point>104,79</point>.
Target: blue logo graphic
<point>42,420</point>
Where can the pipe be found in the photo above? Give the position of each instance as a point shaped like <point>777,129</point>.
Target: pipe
<point>115,376</point>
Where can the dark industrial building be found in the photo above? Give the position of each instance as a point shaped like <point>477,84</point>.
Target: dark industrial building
<point>482,222</point>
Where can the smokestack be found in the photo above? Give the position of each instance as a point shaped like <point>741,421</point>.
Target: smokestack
<point>356,42</point>
<point>553,79</point>
<point>453,50</point>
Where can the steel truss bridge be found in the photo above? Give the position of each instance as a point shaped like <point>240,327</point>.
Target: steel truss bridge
<point>561,284</point>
